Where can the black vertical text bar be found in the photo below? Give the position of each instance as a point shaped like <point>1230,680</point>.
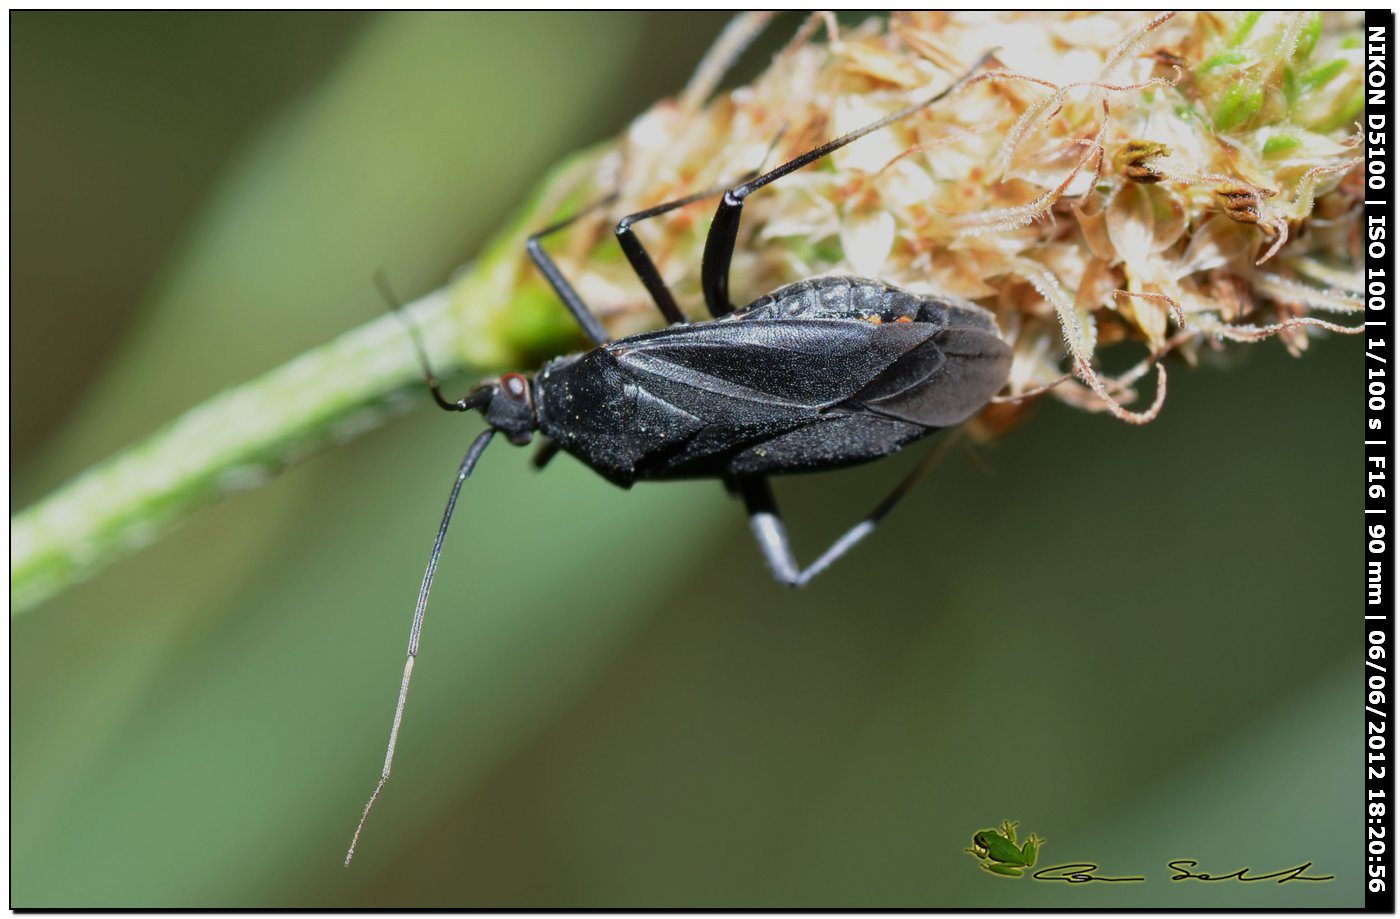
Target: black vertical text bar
<point>1377,238</point>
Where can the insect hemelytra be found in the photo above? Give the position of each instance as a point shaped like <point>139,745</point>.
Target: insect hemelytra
<point>820,374</point>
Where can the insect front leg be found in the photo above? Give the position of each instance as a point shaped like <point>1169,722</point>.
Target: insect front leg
<point>590,324</point>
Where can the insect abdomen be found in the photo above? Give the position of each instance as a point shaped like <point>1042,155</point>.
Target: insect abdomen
<point>839,297</point>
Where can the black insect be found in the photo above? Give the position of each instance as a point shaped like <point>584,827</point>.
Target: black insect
<point>820,374</point>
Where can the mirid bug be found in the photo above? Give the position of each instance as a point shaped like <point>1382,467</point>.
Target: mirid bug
<point>819,374</point>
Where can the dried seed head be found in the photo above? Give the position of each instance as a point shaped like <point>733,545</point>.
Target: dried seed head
<point>1102,154</point>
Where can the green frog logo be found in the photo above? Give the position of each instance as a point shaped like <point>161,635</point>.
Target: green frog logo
<point>999,854</point>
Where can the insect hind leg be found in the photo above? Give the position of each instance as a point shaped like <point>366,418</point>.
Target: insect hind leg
<point>770,533</point>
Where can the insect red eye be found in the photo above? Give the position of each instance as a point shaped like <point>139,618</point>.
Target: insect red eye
<point>515,386</point>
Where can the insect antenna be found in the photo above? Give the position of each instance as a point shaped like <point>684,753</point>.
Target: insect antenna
<point>381,281</point>
<point>415,633</point>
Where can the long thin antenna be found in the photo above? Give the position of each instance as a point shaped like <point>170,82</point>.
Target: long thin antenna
<point>474,400</point>
<point>416,632</point>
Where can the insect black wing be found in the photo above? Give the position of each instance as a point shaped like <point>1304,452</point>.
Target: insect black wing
<point>765,395</point>
<point>765,367</point>
<point>768,394</point>
<point>943,381</point>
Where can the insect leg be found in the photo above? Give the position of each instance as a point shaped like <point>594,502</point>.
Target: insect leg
<point>640,259</point>
<point>565,291</point>
<point>636,254</point>
<point>724,231</point>
<point>547,450</point>
<point>772,538</point>
<point>771,535</point>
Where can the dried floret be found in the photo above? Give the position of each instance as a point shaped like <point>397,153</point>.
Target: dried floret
<point>1110,179</point>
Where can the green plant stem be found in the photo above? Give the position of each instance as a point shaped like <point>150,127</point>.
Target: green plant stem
<point>233,441</point>
<point>492,315</point>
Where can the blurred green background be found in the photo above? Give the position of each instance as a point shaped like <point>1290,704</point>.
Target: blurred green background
<point>1141,643</point>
